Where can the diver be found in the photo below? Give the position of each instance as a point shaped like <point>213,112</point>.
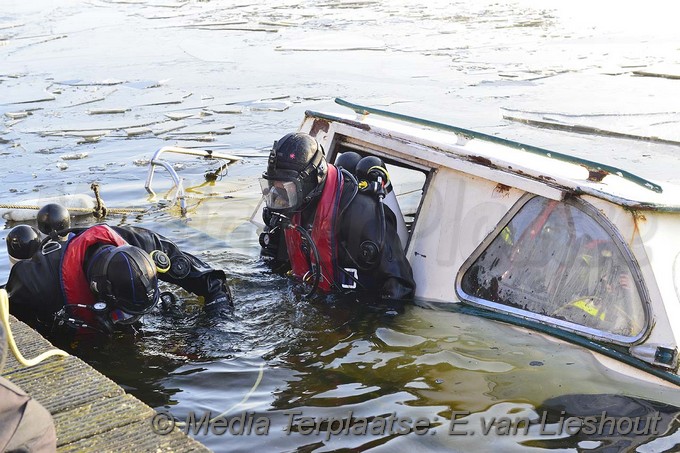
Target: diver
<point>101,278</point>
<point>329,229</point>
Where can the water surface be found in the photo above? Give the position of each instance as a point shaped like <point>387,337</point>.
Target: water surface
<point>89,90</point>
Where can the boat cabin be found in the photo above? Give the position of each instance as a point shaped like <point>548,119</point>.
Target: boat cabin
<point>580,250</point>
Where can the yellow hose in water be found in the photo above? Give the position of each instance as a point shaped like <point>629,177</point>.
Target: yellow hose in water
<point>4,317</point>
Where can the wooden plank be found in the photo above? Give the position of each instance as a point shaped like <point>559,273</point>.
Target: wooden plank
<point>30,344</point>
<point>98,417</point>
<point>64,383</point>
<point>137,436</point>
<point>91,412</point>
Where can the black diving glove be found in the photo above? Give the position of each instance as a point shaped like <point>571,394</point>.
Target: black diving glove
<point>220,294</point>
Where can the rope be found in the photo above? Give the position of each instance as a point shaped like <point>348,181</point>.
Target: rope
<point>4,317</point>
<point>75,209</point>
<point>99,209</point>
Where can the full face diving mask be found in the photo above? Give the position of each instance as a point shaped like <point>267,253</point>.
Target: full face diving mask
<point>288,190</point>
<point>283,193</point>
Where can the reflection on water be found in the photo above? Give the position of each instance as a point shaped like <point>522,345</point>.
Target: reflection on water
<point>279,357</point>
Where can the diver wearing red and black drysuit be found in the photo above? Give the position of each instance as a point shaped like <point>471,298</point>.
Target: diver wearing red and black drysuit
<point>59,276</point>
<point>358,246</point>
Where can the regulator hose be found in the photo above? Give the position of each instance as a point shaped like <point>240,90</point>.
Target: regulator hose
<point>355,190</point>
<point>279,219</point>
<point>382,177</point>
<point>317,259</point>
<point>4,317</point>
<point>383,225</point>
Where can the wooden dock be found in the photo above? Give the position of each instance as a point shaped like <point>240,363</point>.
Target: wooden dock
<point>91,412</point>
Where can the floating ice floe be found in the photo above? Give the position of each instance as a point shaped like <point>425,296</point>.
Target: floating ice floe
<point>90,98</point>
<point>270,106</point>
<point>144,84</point>
<point>176,116</point>
<point>278,24</point>
<point>82,83</point>
<point>165,128</point>
<point>90,134</point>
<point>333,42</point>
<point>209,128</point>
<point>15,95</point>
<point>232,26</point>
<point>11,25</point>
<point>107,111</point>
<point>649,127</point>
<point>228,109</point>
<point>665,71</point>
<point>135,131</point>
<point>73,156</point>
<point>17,115</point>
<point>192,138</point>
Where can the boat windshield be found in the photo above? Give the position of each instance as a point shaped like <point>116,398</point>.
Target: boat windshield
<point>555,262</point>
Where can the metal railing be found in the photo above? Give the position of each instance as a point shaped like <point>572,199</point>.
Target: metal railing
<point>178,181</point>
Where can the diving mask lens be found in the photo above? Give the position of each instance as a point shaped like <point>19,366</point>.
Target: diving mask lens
<point>279,194</point>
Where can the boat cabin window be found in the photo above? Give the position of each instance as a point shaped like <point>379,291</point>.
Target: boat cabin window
<point>408,185</point>
<point>555,262</point>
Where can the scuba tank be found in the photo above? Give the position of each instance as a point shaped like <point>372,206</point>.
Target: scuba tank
<point>367,171</point>
<point>22,242</point>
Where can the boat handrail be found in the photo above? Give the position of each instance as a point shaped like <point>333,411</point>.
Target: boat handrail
<point>179,182</point>
<point>596,170</point>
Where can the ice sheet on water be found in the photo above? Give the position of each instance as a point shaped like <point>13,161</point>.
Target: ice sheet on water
<point>165,127</point>
<point>73,156</point>
<point>136,131</point>
<point>84,122</point>
<point>271,106</point>
<point>660,128</point>
<point>144,84</point>
<point>84,83</point>
<point>647,109</point>
<point>334,41</point>
<point>207,128</point>
<point>20,93</point>
<point>666,71</point>
<point>227,109</point>
<point>107,111</point>
<point>176,116</point>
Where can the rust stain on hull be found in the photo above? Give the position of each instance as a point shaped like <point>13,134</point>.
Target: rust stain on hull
<point>319,125</point>
<point>481,160</point>
<point>501,191</point>
<point>596,175</point>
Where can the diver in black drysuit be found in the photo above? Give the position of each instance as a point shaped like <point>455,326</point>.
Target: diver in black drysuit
<point>35,285</point>
<point>361,230</point>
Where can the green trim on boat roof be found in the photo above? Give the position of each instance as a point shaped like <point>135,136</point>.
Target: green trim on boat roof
<point>590,165</point>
